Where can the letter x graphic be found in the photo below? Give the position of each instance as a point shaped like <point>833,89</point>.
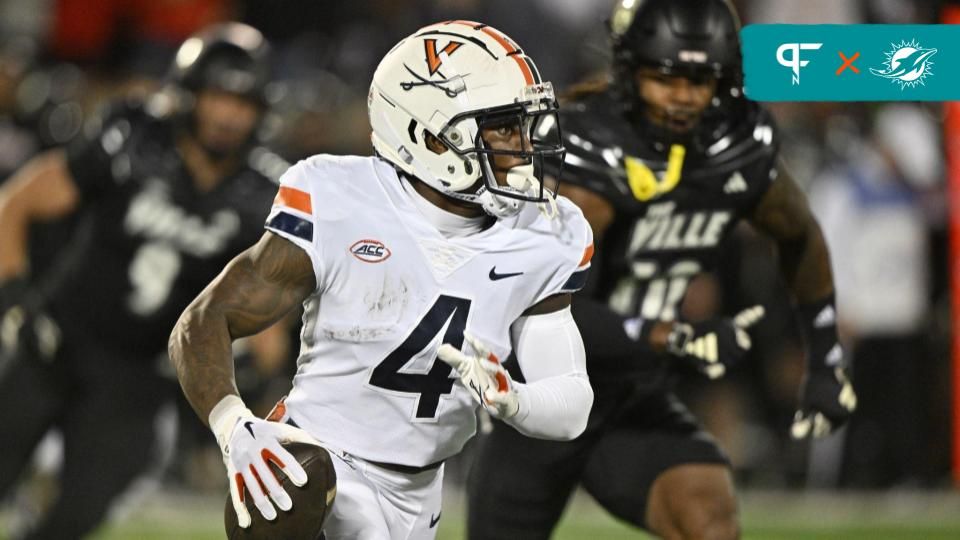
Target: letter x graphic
<point>848,63</point>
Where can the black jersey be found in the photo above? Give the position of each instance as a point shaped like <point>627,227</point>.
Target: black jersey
<point>154,241</point>
<point>674,206</point>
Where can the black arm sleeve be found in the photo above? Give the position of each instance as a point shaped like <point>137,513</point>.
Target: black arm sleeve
<point>604,335</point>
<point>609,347</point>
<point>819,330</point>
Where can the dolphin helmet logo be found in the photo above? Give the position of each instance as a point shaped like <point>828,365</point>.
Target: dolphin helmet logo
<point>907,64</point>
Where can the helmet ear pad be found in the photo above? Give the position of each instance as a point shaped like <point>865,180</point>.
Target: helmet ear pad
<point>453,168</point>
<point>480,192</point>
<point>438,147</point>
<point>434,144</point>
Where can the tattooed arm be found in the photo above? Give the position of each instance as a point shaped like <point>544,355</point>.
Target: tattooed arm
<point>784,214</point>
<point>827,399</point>
<point>254,291</point>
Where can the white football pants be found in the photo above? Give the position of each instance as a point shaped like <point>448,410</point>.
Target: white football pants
<point>374,503</point>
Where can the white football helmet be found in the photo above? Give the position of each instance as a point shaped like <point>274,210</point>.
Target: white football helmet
<point>450,80</point>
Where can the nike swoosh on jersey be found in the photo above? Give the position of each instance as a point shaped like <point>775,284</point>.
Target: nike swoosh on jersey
<point>435,520</point>
<point>494,276</point>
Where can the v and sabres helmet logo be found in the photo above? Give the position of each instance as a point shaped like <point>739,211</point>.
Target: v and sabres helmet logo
<point>433,55</point>
<point>434,58</point>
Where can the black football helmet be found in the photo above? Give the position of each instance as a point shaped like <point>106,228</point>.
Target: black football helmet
<point>232,56</point>
<point>694,38</point>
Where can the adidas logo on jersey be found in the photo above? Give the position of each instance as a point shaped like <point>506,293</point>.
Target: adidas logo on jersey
<point>371,251</point>
<point>735,184</point>
<point>826,317</point>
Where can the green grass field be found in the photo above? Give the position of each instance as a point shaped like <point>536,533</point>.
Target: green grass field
<point>766,516</point>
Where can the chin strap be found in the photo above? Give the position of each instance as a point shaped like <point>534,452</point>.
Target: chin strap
<point>549,209</point>
<point>523,180</point>
<point>498,207</point>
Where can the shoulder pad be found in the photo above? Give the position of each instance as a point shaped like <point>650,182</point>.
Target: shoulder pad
<point>576,233</point>
<point>126,108</point>
<point>569,241</point>
<point>596,136</point>
<point>112,124</point>
<point>268,164</point>
<point>121,114</point>
<point>334,179</point>
<point>754,139</point>
<point>597,139</point>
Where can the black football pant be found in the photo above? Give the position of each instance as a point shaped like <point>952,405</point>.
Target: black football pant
<point>518,486</point>
<point>104,403</point>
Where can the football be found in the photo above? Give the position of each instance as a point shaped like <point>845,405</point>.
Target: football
<point>311,503</point>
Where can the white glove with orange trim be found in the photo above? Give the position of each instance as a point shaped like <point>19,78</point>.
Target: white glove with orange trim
<point>249,444</point>
<point>489,384</point>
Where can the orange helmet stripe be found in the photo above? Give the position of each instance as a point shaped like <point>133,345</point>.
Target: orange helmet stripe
<point>512,50</point>
<point>471,24</point>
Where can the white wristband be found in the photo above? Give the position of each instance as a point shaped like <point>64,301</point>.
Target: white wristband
<point>224,416</point>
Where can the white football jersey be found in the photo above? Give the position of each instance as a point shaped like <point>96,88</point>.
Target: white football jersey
<point>391,289</point>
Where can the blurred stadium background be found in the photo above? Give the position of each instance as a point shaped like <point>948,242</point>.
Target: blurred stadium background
<point>887,476</point>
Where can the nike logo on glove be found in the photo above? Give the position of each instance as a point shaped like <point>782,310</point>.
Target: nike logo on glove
<point>250,429</point>
<point>477,390</point>
<point>435,520</point>
<point>494,276</point>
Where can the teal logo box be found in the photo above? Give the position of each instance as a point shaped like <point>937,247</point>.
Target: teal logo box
<point>855,62</point>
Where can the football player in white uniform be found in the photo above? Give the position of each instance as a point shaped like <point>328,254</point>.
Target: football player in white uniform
<point>417,270</point>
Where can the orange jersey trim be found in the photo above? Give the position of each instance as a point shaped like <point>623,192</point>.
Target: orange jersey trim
<point>294,198</point>
<point>587,255</point>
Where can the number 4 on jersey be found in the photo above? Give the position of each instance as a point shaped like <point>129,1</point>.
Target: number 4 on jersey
<point>437,381</point>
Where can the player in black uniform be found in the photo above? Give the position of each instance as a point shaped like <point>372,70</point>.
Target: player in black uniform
<point>169,189</point>
<point>665,161</point>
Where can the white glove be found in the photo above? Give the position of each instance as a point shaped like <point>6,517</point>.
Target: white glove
<point>248,444</point>
<point>490,384</point>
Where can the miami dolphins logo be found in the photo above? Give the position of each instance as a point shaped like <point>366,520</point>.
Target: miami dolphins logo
<point>907,64</point>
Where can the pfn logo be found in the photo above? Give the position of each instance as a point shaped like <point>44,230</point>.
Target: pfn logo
<point>794,62</point>
<point>371,251</point>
